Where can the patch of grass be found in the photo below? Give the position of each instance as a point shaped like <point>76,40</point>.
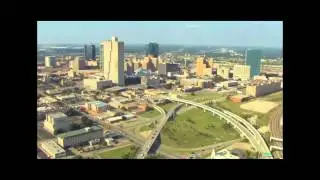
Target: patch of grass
<point>147,127</point>
<point>151,113</point>
<point>121,153</point>
<point>196,128</point>
<point>235,108</point>
<point>203,96</point>
<point>168,106</point>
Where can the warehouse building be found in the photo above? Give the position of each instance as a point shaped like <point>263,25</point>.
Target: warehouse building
<point>229,83</point>
<point>79,137</point>
<point>96,106</point>
<point>263,88</point>
<point>52,149</point>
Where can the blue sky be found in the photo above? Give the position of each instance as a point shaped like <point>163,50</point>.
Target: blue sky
<point>228,33</point>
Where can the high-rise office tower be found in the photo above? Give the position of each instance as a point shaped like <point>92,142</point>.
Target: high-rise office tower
<point>112,60</point>
<point>89,52</point>
<point>203,67</point>
<point>253,59</point>
<point>153,50</point>
<point>50,61</point>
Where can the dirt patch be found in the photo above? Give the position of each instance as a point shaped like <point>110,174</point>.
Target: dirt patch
<point>259,106</point>
<point>146,134</point>
<point>242,146</point>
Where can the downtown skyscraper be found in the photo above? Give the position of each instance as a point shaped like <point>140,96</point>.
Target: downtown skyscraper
<point>153,50</point>
<point>89,52</point>
<point>112,60</point>
<point>253,59</point>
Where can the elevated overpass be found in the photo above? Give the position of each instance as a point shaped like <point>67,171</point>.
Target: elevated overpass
<point>143,152</point>
<point>240,124</point>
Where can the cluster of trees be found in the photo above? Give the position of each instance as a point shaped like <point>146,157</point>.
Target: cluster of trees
<point>218,79</point>
<point>87,122</point>
<point>131,154</point>
<point>226,126</point>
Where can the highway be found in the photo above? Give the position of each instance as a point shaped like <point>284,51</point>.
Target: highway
<point>239,123</point>
<point>276,131</point>
<point>143,151</point>
<point>127,134</point>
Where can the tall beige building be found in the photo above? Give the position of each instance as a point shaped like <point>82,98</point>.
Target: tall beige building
<point>242,72</point>
<point>112,59</point>
<point>223,72</point>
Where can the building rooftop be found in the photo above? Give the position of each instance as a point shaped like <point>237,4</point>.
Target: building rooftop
<point>79,132</point>
<point>57,115</point>
<point>97,103</point>
<point>52,146</point>
<point>115,89</point>
<point>119,99</point>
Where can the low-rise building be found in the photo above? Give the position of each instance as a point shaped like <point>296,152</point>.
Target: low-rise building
<point>96,106</point>
<point>154,92</point>
<point>229,83</point>
<point>79,137</point>
<point>241,72</point>
<point>191,88</point>
<point>189,82</point>
<point>128,94</point>
<point>52,149</point>
<point>239,98</point>
<point>130,105</point>
<point>71,74</point>
<point>263,78</point>
<point>54,92</point>
<point>55,122</point>
<point>96,84</point>
<point>47,100</point>
<point>114,119</point>
<point>204,83</point>
<point>105,115</point>
<point>66,97</point>
<point>263,88</point>
<point>150,80</point>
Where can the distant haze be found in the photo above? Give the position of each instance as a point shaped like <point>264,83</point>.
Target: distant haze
<point>214,33</point>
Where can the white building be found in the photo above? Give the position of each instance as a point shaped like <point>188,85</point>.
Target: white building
<point>81,136</point>
<point>52,149</point>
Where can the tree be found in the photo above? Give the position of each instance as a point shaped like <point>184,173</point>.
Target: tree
<point>86,121</point>
<point>226,126</point>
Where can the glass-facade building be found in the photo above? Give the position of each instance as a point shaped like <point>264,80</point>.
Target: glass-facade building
<point>89,52</point>
<point>153,50</point>
<point>101,59</point>
<point>253,59</point>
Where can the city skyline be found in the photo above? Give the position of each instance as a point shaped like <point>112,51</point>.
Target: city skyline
<point>214,33</point>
